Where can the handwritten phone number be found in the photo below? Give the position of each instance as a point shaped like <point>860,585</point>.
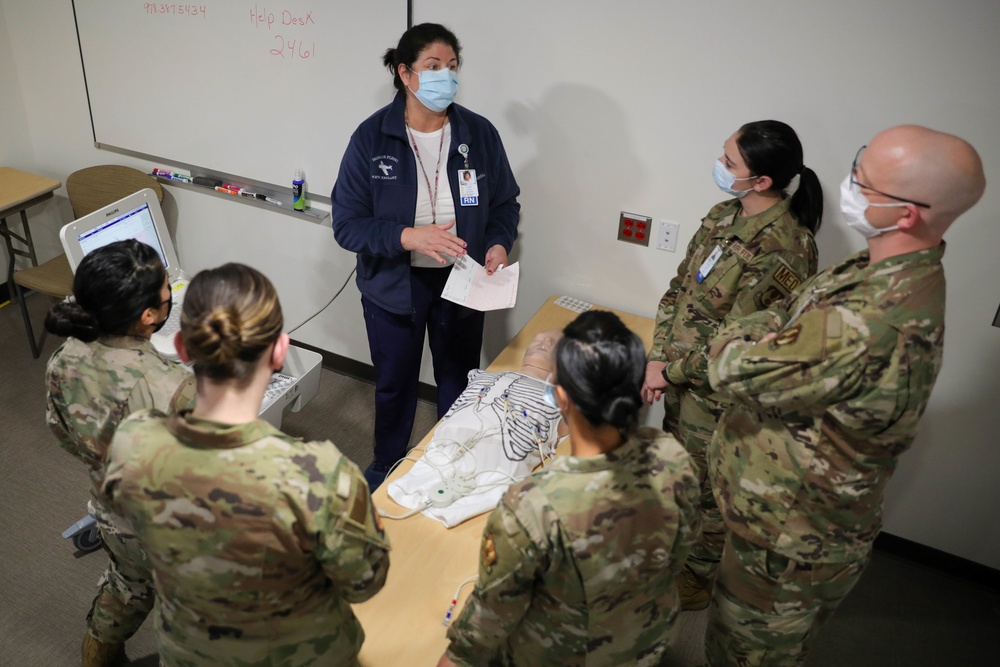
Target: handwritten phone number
<point>180,10</point>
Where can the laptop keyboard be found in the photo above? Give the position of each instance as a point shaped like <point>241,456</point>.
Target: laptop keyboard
<point>278,385</point>
<point>173,323</point>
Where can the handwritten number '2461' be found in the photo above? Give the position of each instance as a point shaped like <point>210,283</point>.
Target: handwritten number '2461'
<point>293,49</point>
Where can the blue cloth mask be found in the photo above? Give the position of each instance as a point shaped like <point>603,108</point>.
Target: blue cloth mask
<point>725,179</point>
<point>437,88</point>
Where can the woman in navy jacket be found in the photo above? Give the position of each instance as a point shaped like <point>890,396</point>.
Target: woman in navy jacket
<point>402,202</point>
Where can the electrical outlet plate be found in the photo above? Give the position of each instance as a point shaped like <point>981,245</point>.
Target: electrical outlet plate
<point>634,228</point>
<point>667,238</point>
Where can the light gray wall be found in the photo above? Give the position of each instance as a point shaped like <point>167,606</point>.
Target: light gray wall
<point>15,147</point>
<point>624,106</point>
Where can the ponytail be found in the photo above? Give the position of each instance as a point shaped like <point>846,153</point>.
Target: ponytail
<point>807,201</point>
<point>771,148</point>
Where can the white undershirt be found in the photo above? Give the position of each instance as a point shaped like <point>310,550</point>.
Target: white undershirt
<point>428,143</point>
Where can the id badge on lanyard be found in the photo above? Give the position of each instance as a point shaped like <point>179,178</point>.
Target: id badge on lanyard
<point>468,187</point>
<point>709,264</point>
<point>468,184</point>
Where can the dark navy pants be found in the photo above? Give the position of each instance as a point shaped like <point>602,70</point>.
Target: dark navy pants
<point>455,336</point>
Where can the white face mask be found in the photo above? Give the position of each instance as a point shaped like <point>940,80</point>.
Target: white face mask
<point>853,205</point>
<point>725,179</point>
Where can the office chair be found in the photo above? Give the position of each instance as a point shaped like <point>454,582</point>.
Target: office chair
<point>89,189</point>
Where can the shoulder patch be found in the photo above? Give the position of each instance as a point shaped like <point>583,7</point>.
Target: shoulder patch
<point>359,508</point>
<point>377,516</point>
<point>767,296</point>
<point>785,277</point>
<point>489,553</point>
<point>787,337</point>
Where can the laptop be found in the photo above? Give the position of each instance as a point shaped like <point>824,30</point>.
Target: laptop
<point>138,217</point>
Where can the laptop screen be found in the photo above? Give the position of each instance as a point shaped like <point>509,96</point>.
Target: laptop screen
<point>135,224</point>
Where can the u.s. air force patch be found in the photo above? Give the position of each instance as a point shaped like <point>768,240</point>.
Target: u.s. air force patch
<point>767,296</point>
<point>786,337</point>
<point>489,553</point>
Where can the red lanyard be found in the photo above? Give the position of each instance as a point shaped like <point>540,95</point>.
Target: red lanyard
<point>437,169</point>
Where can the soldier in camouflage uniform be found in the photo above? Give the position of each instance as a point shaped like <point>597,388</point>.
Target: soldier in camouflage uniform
<point>828,399</point>
<point>259,541</point>
<point>748,253</point>
<point>578,563</point>
<point>105,371</point>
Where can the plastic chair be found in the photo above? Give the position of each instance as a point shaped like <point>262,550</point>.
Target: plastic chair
<point>89,189</point>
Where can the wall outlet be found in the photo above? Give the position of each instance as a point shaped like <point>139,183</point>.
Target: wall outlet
<point>634,228</point>
<point>667,239</point>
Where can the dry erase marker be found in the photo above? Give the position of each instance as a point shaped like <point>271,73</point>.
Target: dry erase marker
<point>257,195</point>
<point>227,190</point>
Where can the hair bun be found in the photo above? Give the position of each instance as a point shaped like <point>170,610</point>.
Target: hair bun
<point>622,411</point>
<point>218,338</point>
<point>68,318</point>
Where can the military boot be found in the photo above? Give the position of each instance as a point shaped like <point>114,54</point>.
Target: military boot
<point>99,654</point>
<point>693,591</point>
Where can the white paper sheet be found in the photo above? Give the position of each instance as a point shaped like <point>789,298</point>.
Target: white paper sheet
<point>470,286</point>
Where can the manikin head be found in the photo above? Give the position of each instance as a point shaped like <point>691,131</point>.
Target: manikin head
<point>538,360</point>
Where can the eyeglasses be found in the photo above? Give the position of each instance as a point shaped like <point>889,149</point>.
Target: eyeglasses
<point>858,184</point>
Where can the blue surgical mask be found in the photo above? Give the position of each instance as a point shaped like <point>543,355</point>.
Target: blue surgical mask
<point>549,394</point>
<point>437,88</point>
<point>725,179</point>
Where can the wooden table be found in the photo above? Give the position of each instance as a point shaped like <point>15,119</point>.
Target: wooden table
<point>403,623</point>
<point>20,190</point>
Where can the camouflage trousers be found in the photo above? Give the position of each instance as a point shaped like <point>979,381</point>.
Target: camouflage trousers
<point>766,609</point>
<point>325,635</point>
<point>125,591</point>
<point>694,429</point>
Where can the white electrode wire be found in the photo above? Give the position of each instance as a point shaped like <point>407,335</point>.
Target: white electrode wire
<point>454,600</point>
<point>308,319</point>
<point>382,513</point>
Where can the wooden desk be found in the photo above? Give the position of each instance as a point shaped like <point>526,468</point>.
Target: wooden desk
<point>403,623</point>
<point>20,190</point>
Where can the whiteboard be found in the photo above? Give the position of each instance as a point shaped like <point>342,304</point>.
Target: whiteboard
<point>250,89</point>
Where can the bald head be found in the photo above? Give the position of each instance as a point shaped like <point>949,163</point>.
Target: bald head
<point>924,165</point>
<point>538,359</point>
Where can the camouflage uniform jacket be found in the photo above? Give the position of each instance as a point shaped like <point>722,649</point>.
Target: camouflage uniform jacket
<point>258,541</point>
<point>93,386</point>
<point>826,407</point>
<point>764,258</point>
<point>579,560</point>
